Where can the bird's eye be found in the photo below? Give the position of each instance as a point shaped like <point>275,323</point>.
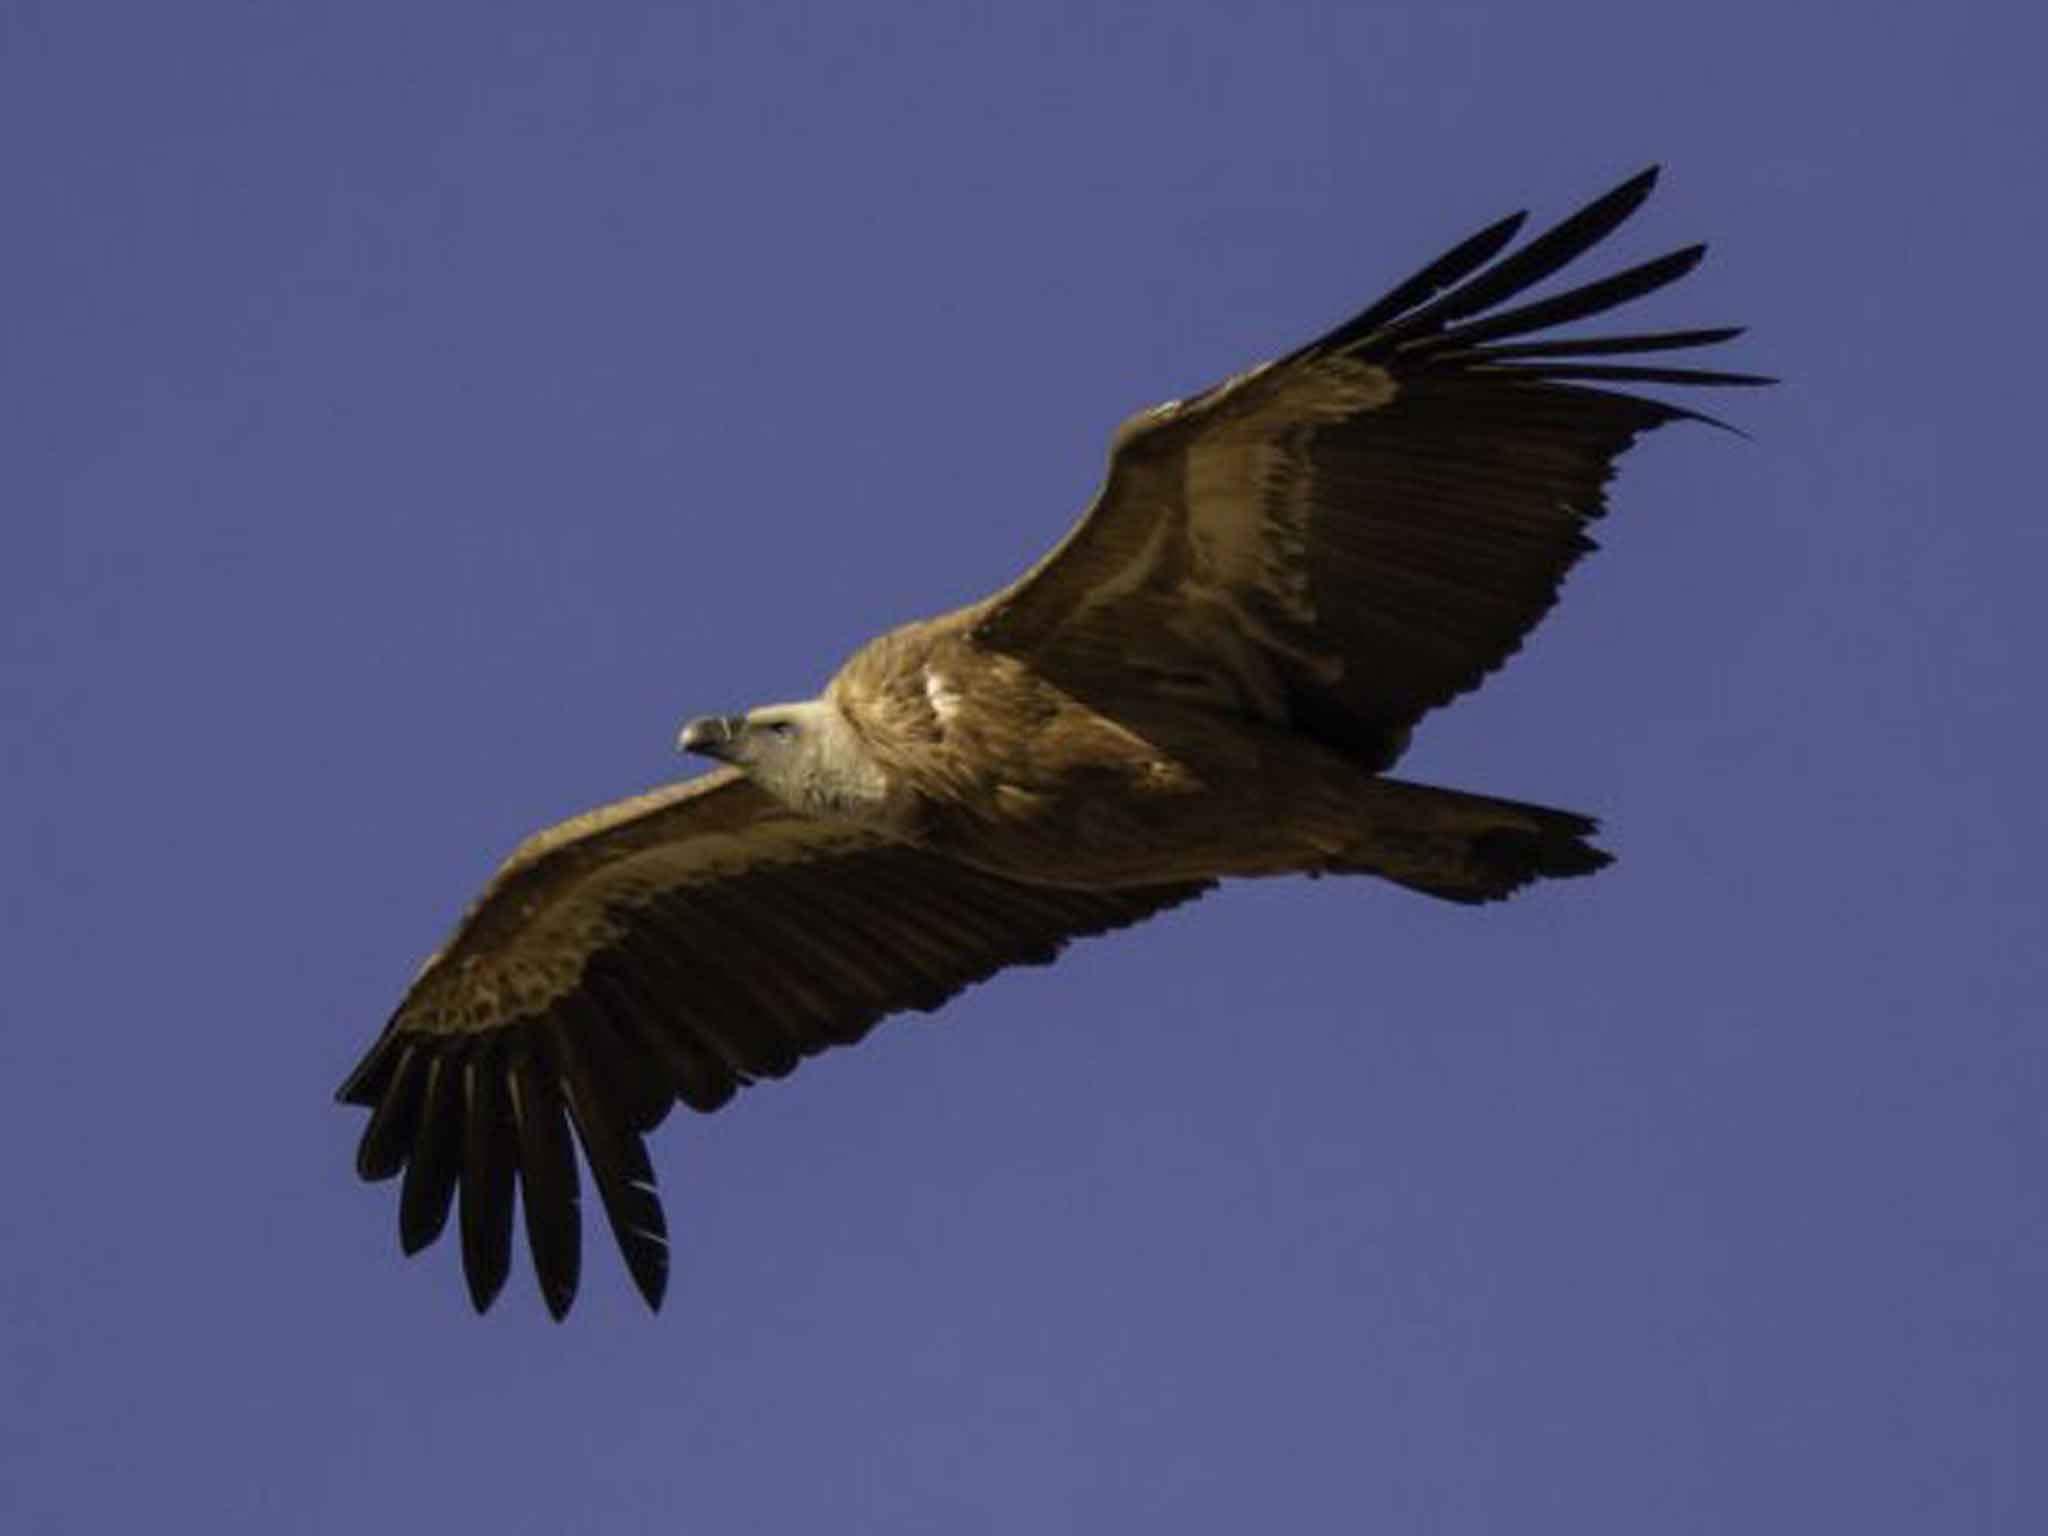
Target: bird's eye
<point>781,727</point>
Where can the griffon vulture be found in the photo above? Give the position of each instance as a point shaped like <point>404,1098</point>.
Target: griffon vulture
<point>1208,677</point>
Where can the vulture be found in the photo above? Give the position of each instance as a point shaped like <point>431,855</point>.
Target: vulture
<point>1207,678</point>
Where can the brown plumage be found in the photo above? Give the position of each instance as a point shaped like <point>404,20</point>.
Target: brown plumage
<point>1206,678</point>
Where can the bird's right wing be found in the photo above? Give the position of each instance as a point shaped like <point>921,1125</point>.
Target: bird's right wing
<point>675,945</point>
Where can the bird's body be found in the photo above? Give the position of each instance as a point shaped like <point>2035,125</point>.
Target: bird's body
<point>1208,678</point>
<point>980,758</point>
<point>991,763</point>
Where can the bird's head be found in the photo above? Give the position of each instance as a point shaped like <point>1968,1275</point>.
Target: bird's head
<point>759,737</point>
<point>804,754</point>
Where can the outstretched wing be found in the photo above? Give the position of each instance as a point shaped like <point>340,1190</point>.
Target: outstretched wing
<point>672,946</point>
<point>1357,533</point>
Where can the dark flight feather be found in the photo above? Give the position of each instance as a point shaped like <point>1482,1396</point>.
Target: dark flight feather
<point>432,1169</point>
<point>1592,299</point>
<point>547,1181</point>
<point>617,1158</point>
<point>1623,373</point>
<point>693,1070</point>
<point>490,1152</point>
<point>1545,254</point>
<point>388,1138</point>
<point>1459,262</point>
<point>1603,346</point>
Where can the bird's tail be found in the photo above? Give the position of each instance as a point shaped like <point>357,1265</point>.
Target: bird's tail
<point>1464,847</point>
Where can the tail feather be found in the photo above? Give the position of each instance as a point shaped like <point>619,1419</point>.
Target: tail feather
<point>1468,848</point>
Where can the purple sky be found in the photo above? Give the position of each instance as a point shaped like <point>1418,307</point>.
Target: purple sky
<point>413,412</point>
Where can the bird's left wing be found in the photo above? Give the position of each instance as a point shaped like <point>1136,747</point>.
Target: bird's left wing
<point>675,945</point>
<point>1360,531</point>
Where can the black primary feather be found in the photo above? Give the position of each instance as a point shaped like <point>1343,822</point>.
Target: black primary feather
<point>387,1139</point>
<point>1621,373</point>
<point>490,1150</point>
<point>436,1157</point>
<point>1605,346</point>
<point>1548,252</point>
<point>1456,264</point>
<point>617,1159</point>
<point>547,1181</point>
<point>1574,304</point>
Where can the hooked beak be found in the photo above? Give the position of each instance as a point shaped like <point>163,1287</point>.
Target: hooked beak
<point>711,735</point>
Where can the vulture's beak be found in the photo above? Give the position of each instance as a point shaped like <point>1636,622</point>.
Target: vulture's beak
<point>711,735</point>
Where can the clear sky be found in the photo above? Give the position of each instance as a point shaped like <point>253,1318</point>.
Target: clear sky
<point>411,413</point>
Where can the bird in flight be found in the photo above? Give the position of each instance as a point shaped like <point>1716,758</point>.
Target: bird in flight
<point>1207,678</point>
